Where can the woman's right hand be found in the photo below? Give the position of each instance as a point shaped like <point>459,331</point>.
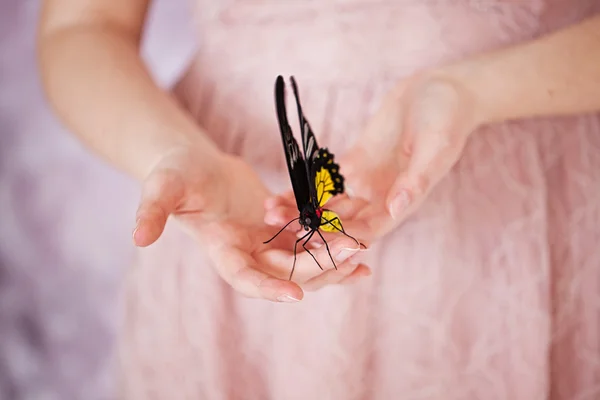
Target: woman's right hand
<point>220,203</point>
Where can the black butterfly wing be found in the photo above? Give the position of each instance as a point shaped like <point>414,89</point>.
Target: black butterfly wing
<point>309,141</point>
<point>309,144</point>
<point>296,165</point>
<point>324,178</point>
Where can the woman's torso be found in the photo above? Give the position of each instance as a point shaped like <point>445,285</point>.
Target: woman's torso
<point>344,53</point>
<point>481,294</point>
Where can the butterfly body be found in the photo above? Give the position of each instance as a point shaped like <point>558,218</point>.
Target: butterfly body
<point>315,177</point>
<point>310,218</point>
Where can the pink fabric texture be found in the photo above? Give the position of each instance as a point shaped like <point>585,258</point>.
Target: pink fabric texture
<point>490,291</point>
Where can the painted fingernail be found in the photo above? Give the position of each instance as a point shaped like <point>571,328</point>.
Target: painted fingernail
<point>286,298</point>
<point>362,247</point>
<point>345,253</point>
<point>399,203</point>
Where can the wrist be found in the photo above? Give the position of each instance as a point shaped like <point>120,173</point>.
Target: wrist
<point>481,89</point>
<point>483,79</point>
<point>553,75</point>
<point>452,94</point>
<point>185,155</point>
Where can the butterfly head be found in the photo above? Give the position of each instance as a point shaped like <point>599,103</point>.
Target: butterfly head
<point>310,218</point>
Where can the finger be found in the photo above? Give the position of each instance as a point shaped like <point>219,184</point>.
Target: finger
<point>333,277</point>
<point>340,250</point>
<point>281,215</point>
<point>362,271</point>
<point>355,229</point>
<point>329,277</point>
<point>286,199</point>
<point>161,195</point>
<point>355,265</point>
<point>425,170</point>
<point>435,142</point>
<point>346,207</point>
<point>371,222</point>
<point>240,270</point>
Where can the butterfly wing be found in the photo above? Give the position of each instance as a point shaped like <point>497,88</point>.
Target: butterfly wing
<point>328,183</point>
<point>309,141</point>
<point>324,172</point>
<point>309,145</point>
<point>330,222</point>
<point>327,178</point>
<point>295,162</point>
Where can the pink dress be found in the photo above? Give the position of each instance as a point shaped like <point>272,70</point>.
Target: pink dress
<point>490,291</point>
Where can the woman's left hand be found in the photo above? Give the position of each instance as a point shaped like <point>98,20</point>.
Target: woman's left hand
<point>406,148</point>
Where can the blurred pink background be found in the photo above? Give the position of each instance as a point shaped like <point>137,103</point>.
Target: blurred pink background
<point>65,221</point>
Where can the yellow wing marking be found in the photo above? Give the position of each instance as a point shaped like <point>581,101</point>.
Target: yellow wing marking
<point>331,222</point>
<point>325,185</point>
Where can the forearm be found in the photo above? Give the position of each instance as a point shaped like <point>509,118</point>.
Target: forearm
<point>99,87</point>
<point>555,75</point>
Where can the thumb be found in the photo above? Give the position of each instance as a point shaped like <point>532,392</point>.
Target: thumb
<point>162,193</point>
<point>437,125</point>
<point>432,157</point>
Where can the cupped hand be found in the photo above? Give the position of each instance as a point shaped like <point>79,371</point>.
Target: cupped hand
<point>220,204</point>
<point>409,145</point>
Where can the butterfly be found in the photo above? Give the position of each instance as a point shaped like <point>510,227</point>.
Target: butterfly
<point>315,176</point>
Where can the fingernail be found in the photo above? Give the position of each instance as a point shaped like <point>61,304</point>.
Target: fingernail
<point>270,219</point>
<point>349,191</point>
<point>356,278</point>
<point>399,203</point>
<point>286,298</point>
<point>134,234</point>
<point>269,203</point>
<point>345,253</point>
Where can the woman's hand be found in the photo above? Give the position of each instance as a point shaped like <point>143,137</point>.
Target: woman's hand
<point>419,132</point>
<point>220,203</point>
<point>406,148</point>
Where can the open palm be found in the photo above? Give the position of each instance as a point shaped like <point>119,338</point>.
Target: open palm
<point>222,209</point>
<point>407,147</point>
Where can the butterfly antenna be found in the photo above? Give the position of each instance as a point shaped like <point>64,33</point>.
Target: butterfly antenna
<point>281,230</point>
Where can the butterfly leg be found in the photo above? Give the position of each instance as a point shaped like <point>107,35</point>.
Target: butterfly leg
<point>342,230</point>
<point>295,245</point>
<point>308,251</point>
<point>327,247</point>
<point>281,230</point>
